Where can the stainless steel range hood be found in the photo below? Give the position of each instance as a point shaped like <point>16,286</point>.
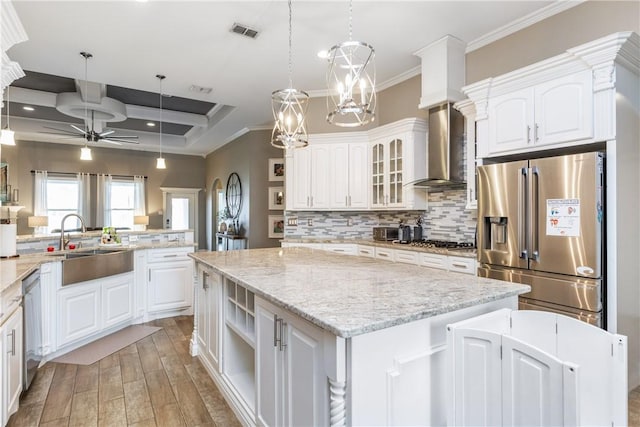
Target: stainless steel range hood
<point>445,148</point>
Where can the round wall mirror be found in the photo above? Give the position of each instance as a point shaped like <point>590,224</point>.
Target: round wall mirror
<point>234,195</point>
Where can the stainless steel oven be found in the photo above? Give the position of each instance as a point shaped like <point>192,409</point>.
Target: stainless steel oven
<point>32,312</point>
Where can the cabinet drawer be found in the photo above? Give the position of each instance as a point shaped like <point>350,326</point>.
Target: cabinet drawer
<point>384,253</point>
<point>366,251</point>
<point>346,249</point>
<point>407,257</point>
<point>168,254</point>
<point>434,261</point>
<point>462,265</point>
<point>11,298</point>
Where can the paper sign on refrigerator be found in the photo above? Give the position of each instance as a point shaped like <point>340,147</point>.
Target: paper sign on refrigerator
<point>563,217</point>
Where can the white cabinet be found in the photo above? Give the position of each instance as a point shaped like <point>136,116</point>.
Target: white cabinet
<point>398,157</point>
<point>557,111</point>
<point>209,316</point>
<point>468,109</point>
<point>530,367</point>
<point>341,248</point>
<point>308,184</point>
<point>11,359</point>
<point>117,300</point>
<point>349,176</point>
<point>292,387</point>
<point>461,264</point>
<point>385,253</point>
<point>407,257</point>
<point>366,251</point>
<point>140,283</point>
<point>437,261</point>
<point>78,311</point>
<point>170,279</point>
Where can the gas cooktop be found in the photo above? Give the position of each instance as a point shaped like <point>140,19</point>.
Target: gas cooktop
<point>441,244</point>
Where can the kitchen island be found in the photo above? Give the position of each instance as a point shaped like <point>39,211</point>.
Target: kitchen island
<point>296,336</point>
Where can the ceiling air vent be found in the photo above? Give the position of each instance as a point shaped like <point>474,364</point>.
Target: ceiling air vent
<point>244,30</point>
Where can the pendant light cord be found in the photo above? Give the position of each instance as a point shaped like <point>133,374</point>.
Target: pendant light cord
<point>290,60</point>
<point>160,77</point>
<point>350,19</point>
<point>8,100</point>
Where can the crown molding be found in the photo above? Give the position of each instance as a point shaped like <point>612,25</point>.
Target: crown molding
<point>521,23</point>
<point>12,31</point>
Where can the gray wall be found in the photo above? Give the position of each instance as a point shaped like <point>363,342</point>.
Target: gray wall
<point>248,156</point>
<point>182,171</point>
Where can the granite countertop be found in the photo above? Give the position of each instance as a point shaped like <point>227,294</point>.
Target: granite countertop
<point>461,252</point>
<point>350,295</point>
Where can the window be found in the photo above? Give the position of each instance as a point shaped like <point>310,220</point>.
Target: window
<point>122,204</point>
<point>62,199</point>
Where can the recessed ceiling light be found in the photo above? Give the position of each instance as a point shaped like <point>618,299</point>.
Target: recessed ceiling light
<point>28,108</point>
<point>323,54</point>
<point>151,124</point>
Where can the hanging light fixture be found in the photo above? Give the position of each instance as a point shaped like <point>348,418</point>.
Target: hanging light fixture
<point>160,163</point>
<point>7,137</point>
<point>289,111</point>
<point>351,80</point>
<point>85,152</point>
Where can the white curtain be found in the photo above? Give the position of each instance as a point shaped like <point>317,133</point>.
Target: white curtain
<point>84,197</point>
<point>40,199</point>
<point>103,201</point>
<point>138,199</point>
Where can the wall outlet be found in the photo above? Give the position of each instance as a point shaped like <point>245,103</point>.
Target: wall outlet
<point>292,221</point>
<point>310,222</point>
<point>133,238</point>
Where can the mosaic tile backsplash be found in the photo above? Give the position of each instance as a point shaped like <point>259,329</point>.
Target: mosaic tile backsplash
<point>445,219</point>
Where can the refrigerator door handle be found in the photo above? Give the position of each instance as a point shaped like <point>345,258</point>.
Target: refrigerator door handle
<point>534,222</point>
<point>522,214</point>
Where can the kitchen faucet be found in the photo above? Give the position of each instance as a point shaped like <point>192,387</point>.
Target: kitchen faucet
<point>64,242</point>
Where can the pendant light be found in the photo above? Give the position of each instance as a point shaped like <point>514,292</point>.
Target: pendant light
<point>7,137</point>
<point>289,111</point>
<point>85,152</point>
<point>351,80</point>
<point>160,163</point>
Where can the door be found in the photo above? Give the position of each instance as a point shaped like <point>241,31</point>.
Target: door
<point>358,177</point>
<point>180,214</point>
<point>117,300</point>
<point>78,312</point>
<point>299,192</point>
<point>568,214</point>
<point>320,176</point>
<point>501,214</point>
<point>169,286</point>
<point>395,176</point>
<point>269,408</point>
<point>12,370</point>
<point>377,176</point>
<point>340,171</point>
<point>511,117</point>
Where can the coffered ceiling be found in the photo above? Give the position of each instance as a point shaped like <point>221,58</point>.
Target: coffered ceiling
<point>193,45</point>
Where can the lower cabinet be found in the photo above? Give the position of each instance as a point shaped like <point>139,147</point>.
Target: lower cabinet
<point>208,316</point>
<point>170,275</point>
<point>291,384</point>
<point>87,308</point>
<point>12,336</point>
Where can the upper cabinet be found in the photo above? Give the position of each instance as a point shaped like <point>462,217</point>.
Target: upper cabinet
<point>561,102</point>
<point>359,170</point>
<point>557,111</point>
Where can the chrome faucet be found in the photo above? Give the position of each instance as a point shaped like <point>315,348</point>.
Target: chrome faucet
<point>64,242</point>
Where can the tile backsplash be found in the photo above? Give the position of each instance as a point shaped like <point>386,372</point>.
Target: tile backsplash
<point>445,219</point>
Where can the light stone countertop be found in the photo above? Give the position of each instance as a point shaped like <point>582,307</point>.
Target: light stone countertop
<point>461,252</point>
<point>351,295</point>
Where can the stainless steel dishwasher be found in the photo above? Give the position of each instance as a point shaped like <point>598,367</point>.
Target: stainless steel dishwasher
<point>32,317</point>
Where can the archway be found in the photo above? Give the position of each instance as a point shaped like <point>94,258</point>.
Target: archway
<point>217,204</point>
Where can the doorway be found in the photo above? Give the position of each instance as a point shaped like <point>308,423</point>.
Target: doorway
<point>180,209</point>
<point>217,205</point>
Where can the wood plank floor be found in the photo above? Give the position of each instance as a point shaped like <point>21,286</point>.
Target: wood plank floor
<point>153,382</point>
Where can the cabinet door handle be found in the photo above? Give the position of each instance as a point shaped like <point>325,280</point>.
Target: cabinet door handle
<point>275,330</point>
<point>535,133</point>
<point>311,201</point>
<point>170,256</point>
<point>349,201</point>
<point>149,275</point>
<point>13,342</point>
<point>459,265</point>
<point>205,284</point>
<point>528,134</point>
<point>282,333</point>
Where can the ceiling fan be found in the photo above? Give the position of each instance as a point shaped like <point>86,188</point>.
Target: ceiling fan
<point>90,135</point>
<point>93,136</point>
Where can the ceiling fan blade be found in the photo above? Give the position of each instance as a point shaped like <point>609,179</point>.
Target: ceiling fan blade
<point>68,132</point>
<point>109,132</point>
<point>63,135</point>
<point>110,141</point>
<point>125,136</point>
<point>82,131</point>
<point>117,139</point>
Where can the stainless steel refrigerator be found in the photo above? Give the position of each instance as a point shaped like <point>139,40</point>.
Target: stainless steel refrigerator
<point>541,223</point>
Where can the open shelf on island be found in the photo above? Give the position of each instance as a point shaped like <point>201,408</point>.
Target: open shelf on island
<point>240,311</point>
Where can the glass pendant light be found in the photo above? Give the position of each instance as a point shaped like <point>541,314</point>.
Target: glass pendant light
<point>351,81</point>
<point>85,153</point>
<point>7,137</point>
<point>289,108</point>
<point>160,163</point>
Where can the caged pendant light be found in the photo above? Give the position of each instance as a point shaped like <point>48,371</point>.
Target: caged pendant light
<point>7,136</point>
<point>289,111</point>
<point>351,80</point>
<point>160,163</point>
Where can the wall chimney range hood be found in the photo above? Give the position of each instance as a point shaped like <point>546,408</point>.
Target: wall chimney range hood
<point>443,75</point>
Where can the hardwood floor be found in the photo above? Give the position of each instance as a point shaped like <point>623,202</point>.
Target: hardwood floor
<point>153,382</point>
